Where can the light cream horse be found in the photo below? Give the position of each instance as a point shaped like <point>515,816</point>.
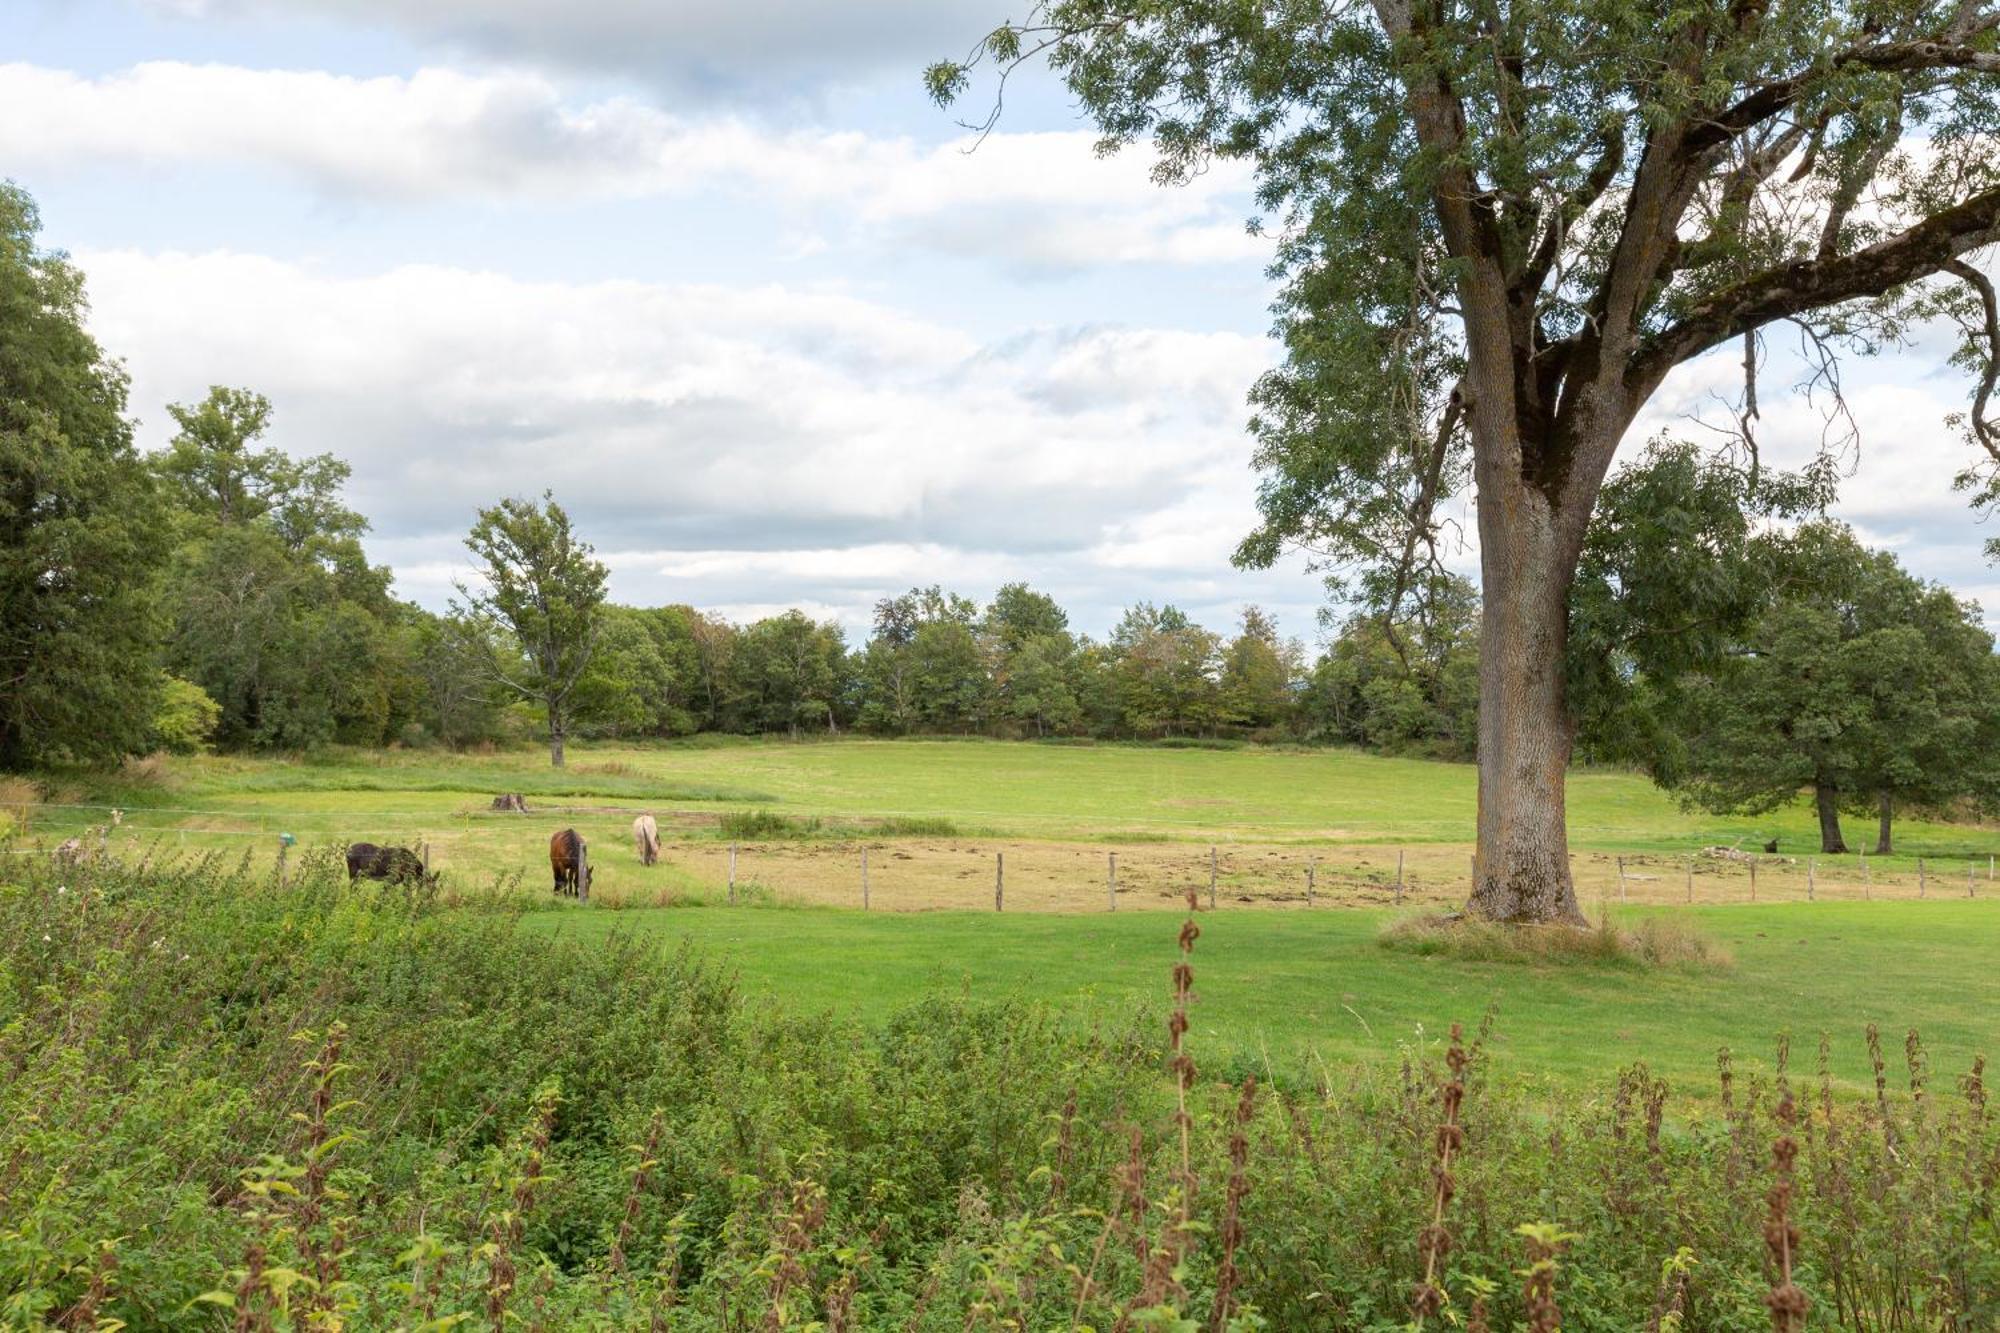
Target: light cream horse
<point>647,834</point>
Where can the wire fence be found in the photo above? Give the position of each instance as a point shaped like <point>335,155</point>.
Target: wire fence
<point>482,850</point>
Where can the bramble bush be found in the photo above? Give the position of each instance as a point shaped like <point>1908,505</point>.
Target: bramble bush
<point>227,1102</point>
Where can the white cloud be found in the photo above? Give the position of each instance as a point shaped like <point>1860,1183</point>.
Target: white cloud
<point>728,446</point>
<point>708,46</point>
<point>1040,200</point>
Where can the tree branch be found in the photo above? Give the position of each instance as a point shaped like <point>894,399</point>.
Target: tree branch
<point>1790,289</point>
<point>1881,57</point>
<point>1984,431</point>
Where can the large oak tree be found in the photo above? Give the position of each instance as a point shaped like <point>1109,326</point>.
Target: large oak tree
<point>1501,224</point>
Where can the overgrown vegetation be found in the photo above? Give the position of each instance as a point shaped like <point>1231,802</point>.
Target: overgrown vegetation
<point>1648,941</point>
<point>769,826</point>
<point>232,1104</point>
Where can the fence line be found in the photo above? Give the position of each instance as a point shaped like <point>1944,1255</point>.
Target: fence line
<point>1065,875</point>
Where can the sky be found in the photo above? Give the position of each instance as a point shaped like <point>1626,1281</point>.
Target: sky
<point>776,331</point>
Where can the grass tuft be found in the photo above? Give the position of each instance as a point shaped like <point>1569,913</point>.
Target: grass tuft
<point>916,826</point>
<point>770,826</point>
<point>764,826</point>
<point>1649,941</point>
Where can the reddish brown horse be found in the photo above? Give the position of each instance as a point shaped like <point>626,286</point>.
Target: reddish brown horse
<point>566,863</point>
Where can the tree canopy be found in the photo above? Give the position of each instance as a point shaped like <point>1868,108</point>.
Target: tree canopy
<point>545,586</point>
<point>1863,685</point>
<point>1499,225</point>
<point>82,532</point>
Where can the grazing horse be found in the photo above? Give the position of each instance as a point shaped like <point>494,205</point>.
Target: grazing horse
<point>566,859</point>
<point>397,865</point>
<point>647,834</point>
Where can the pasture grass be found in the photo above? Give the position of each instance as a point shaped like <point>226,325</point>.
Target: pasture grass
<point>1018,789</point>
<point>1295,990</point>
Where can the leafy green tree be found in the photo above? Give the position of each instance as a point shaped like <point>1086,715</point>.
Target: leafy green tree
<point>1039,689</point>
<point>950,674</point>
<point>214,474</point>
<point>82,534</point>
<point>1018,614</point>
<point>1685,553</point>
<point>1168,673</point>
<point>276,612</point>
<point>1258,669</point>
<point>790,673</point>
<point>1859,684</point>
<point>1502,225</point>
<point>715,642</point>
<point>645,678</point>
<point>1093,676</point>
<point>543,584</point>
<point>457,663</point>
<point>923,666</point>
<point>1408,687</point>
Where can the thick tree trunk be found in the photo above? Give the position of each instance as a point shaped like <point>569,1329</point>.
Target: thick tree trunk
<point>1522,872</point>
<point>555,747</point>
<point>1885,815</point>
<point>1828,801</point>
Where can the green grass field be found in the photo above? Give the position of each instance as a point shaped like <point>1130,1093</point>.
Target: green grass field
<point>1302,989</point>
<point>1289,987</point>
<point>1108,792</point>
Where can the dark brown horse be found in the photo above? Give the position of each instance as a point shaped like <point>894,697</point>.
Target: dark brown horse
<point>566,860</point>
<point>397,865</point>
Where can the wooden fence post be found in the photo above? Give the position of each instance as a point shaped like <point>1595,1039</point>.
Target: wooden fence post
<point>732,874</point>
<point>1621,879</point>
<point>1211,877</point>
<point>1399,876</point>
<point>1809,879</point>
<point>864,876</point>
<point>284,841</point>
<point>1690,878</point>
<point>582,867</point>
<point>1867,884</point>
<point>1920,877</point>
<point>427,857</point>
<point>999,879</point>
<point>1968,879</point>
<point>1111,880</point>
<point>1753,879</point>
<point>1312,873</point>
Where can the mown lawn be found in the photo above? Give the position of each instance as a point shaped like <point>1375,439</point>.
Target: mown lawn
<point>1300,989</point>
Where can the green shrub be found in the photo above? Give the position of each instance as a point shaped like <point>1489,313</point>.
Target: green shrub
<point>185,717</point>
